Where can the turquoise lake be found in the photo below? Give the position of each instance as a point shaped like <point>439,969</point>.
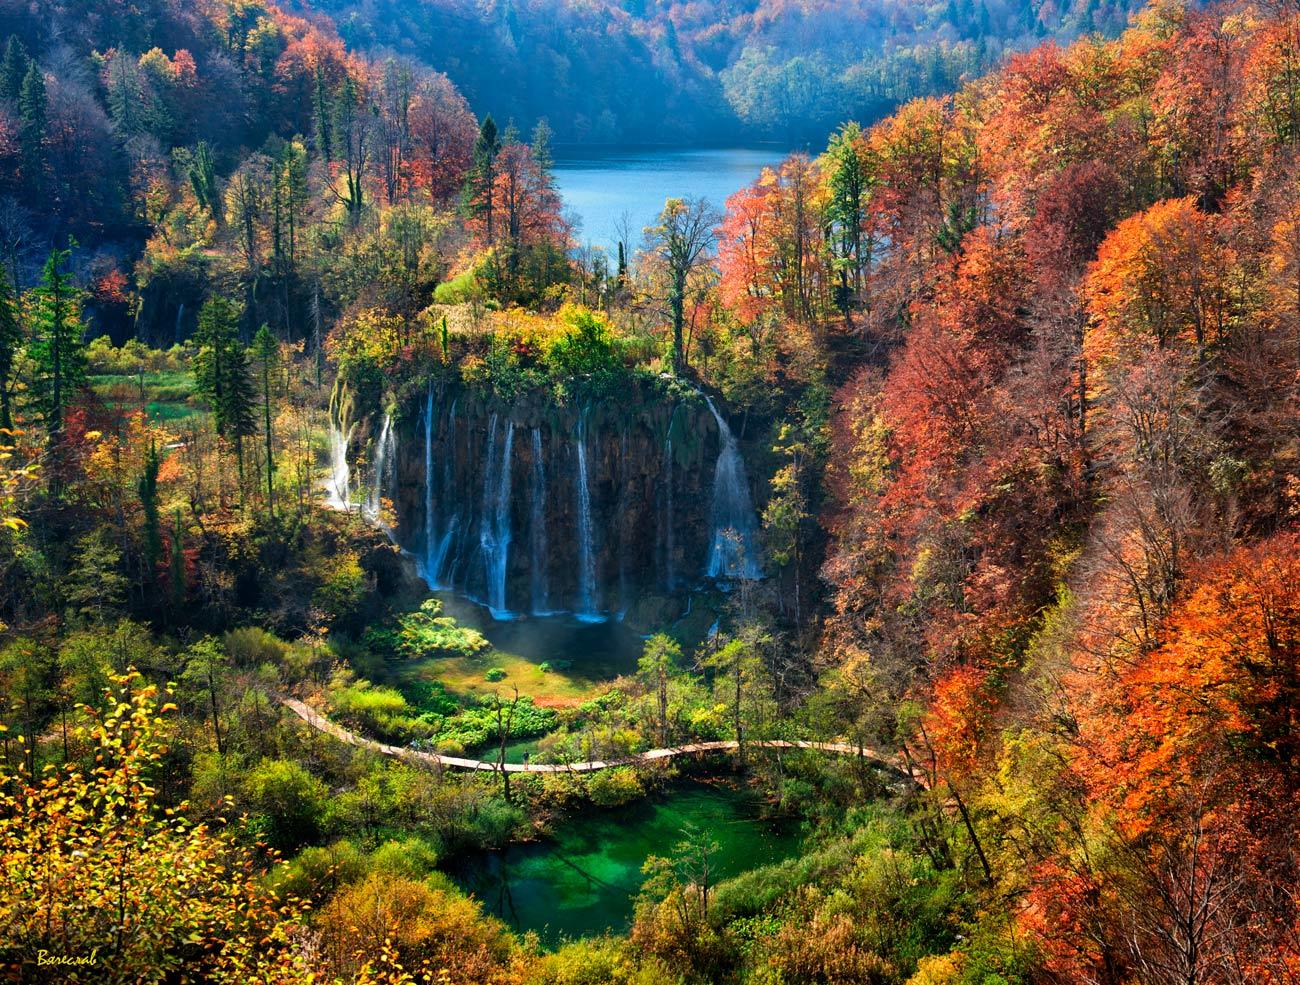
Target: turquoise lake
<point>585,880</point>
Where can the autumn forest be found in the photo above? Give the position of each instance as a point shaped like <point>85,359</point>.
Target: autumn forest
<point>885,572</point>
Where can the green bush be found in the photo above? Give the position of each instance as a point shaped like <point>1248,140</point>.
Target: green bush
<point>343,589</point>
<point>610,788</point>
<point>250,646</point>
<point>413,858</point>
<point>376,710</point>
<point>599,961</point>
<point>317,871</point>
<point>477,725</point>
<point>495,674</point>
<point>426,633</point>
<point>586,357</point>
<point>286,803</point>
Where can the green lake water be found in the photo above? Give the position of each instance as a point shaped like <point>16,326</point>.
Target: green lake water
<point>585,880</point>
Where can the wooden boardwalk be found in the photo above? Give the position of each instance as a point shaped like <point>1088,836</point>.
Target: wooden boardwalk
<point>319,722</point>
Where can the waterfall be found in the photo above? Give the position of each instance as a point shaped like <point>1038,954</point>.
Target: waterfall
<point>540,582</point>
<point>586,557</point>
<point>734,553</point>
<point>443,575</point>
<point>180,324</point>
<point>338,492</point>
<point>494,523</point>
<point>430,575</point>
<point>384,470</point>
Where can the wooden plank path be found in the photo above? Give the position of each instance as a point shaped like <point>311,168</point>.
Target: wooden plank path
<point>319,722</point>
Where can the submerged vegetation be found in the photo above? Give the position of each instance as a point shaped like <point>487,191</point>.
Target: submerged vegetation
<point>969,444</point>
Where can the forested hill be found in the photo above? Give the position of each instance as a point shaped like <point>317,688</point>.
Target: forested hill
<point>139,129</point>
<point>644,71</point>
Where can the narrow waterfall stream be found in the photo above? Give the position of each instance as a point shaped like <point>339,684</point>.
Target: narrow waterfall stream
<point>429,575</point>
<point>338,494</point>
<point>494,523</point>
<point>586,556</point>
<point>381,482</point>
<point>538,564</point>
<point>734,553</point>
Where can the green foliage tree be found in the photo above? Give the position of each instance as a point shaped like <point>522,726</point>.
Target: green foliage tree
<point>32,125</point>
<point>13,70</point>
<point>205,663</point>
<point>221,372</point>
<point>482,177</point>
<point>849,181</point>
<point>27,690</point>
<point>95,587</point>
<point>659,660</point>
<point>147,489</point>
<point>203,180</point>
<point>287,803</point>
<point>681,241</point>
<point>289,197</point>
<point>56,350</point>
<point>351,134</point>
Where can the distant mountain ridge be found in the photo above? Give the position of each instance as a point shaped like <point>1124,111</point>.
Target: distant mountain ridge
<point>637,70</point>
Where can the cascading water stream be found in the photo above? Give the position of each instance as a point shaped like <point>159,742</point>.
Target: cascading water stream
<point>429,574</point>
<point>541,602</point>
<point>438,569</point>
<point>338,494</point>
<point>734,553</point>
<point>494,523</point>
<point>384,471</point>
<point>587,610</point>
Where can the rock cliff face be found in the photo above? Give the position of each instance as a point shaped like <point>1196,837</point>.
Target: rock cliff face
<point>533,506</point>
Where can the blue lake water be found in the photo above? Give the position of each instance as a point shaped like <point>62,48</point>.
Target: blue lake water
<point>600,185</point>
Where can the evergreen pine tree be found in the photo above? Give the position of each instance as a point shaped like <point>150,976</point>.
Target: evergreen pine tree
<point>221,373</point>
<point>147,488</point>
<point>482,177</point>
<point>32,124</point>
<point>541,147</point>
<point>57,353</point>
<point>13,69</point>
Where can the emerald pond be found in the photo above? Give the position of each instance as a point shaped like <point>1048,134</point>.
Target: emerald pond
<point>585,880</point>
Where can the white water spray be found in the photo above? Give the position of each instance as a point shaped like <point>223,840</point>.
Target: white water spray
<point>734,553</point>
<point>586,556</point>
<point>494,524</point>
<point>384,471</point>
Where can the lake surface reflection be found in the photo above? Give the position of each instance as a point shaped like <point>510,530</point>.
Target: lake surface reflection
<point>600,185</point>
